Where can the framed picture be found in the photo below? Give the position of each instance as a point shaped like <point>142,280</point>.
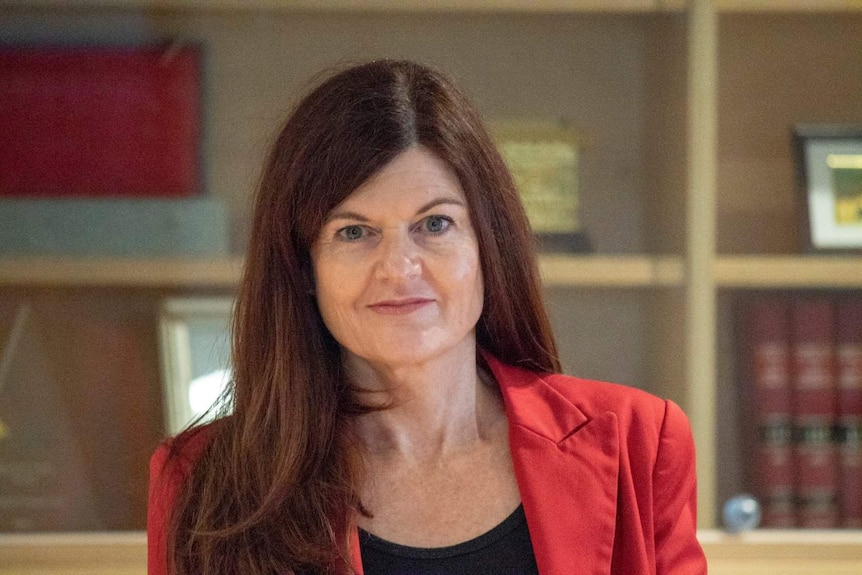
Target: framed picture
<point>829,160</point>
<point>543,159</point>
<point>196,367</point>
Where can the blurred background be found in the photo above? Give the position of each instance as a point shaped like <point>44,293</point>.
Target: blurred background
<point>132,133</point>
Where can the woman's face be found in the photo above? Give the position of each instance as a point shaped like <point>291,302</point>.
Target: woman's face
<point>396,264</point>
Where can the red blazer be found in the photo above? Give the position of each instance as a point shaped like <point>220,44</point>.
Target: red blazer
<point>606,474</point>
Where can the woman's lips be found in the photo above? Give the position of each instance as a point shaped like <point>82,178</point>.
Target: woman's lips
<point>400,307</point>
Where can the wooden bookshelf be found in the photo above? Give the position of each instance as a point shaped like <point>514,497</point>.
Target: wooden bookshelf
<point>687,107</point>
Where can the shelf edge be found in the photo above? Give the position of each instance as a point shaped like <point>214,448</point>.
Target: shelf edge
<point>611,271</point>
<point>556,269</point>
<point>348,6</point>
<point>788,6</point>
<point>119,272</point>
<point>753,272</point>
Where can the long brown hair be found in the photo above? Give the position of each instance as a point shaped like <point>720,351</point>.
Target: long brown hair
<point>276,488</point>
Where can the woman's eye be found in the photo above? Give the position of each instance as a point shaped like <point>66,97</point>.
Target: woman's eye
<point>351,233</point>
<point>437,224</point>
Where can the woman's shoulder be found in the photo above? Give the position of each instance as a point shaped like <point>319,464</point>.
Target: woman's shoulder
<point>577,390</point>
<point>603,395</point>
<point>170,467</point>
<point>175,457</point>
<point>189,444</point>
<point>636,410</point>
<point>632,407</point>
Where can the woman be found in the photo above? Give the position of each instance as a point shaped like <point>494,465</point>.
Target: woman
<point>397,406</point>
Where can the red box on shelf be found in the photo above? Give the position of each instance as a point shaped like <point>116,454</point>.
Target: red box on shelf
<point>100,121</point>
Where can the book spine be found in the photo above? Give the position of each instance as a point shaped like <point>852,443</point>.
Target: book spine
<point>814,412</point>
<point>849,430</point>
<point>767,331</point>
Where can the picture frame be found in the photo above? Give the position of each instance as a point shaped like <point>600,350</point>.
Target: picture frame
<point>829,170</point>
<point>195,353</point>
<point>543,157</point>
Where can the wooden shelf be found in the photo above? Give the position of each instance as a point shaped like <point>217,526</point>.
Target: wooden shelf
<point>788,272</point>
<point>117,272</point>
<point>611,271</point>
<point>557,270</point>
<point>538,6</point>
<point>78,553</point>
<point>788,552</point>
<point>793,6</point>
<point>496,6</point>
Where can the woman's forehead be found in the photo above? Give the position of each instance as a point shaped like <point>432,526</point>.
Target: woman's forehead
<point>415,174</point>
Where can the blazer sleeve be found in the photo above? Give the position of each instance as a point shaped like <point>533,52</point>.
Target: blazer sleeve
<point>675,498</point>
<point>170,467</point>
<point>162,492</point>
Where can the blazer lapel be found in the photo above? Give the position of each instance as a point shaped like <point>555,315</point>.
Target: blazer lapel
<point>355,552</point>
<point>566,464</point>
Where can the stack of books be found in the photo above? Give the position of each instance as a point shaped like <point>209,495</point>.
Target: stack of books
<point>802,370</point>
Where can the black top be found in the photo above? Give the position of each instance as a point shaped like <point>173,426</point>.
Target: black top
<point>504,550</point>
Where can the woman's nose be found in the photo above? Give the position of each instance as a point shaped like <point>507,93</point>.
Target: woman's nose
<point>398,260</point>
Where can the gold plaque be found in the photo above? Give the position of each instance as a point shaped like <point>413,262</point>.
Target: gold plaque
<point>543,159</point>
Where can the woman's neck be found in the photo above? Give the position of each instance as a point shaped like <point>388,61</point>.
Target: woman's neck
<point>437,408</point>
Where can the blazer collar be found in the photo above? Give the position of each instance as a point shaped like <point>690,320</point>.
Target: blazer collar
<point>566,463</point>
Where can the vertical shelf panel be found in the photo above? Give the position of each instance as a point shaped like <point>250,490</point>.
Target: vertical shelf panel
<point>700,250</point>
<point>665,199</point>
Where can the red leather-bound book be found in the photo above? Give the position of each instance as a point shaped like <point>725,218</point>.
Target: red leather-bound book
<point>814,412</point>
<point>767,335</point>
<point>100,121</point>
<point>849,377</point>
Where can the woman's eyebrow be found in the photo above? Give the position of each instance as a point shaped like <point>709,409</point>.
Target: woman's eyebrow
<point>345,215</point>
<point>438,201</point>
<point>351,215</point>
